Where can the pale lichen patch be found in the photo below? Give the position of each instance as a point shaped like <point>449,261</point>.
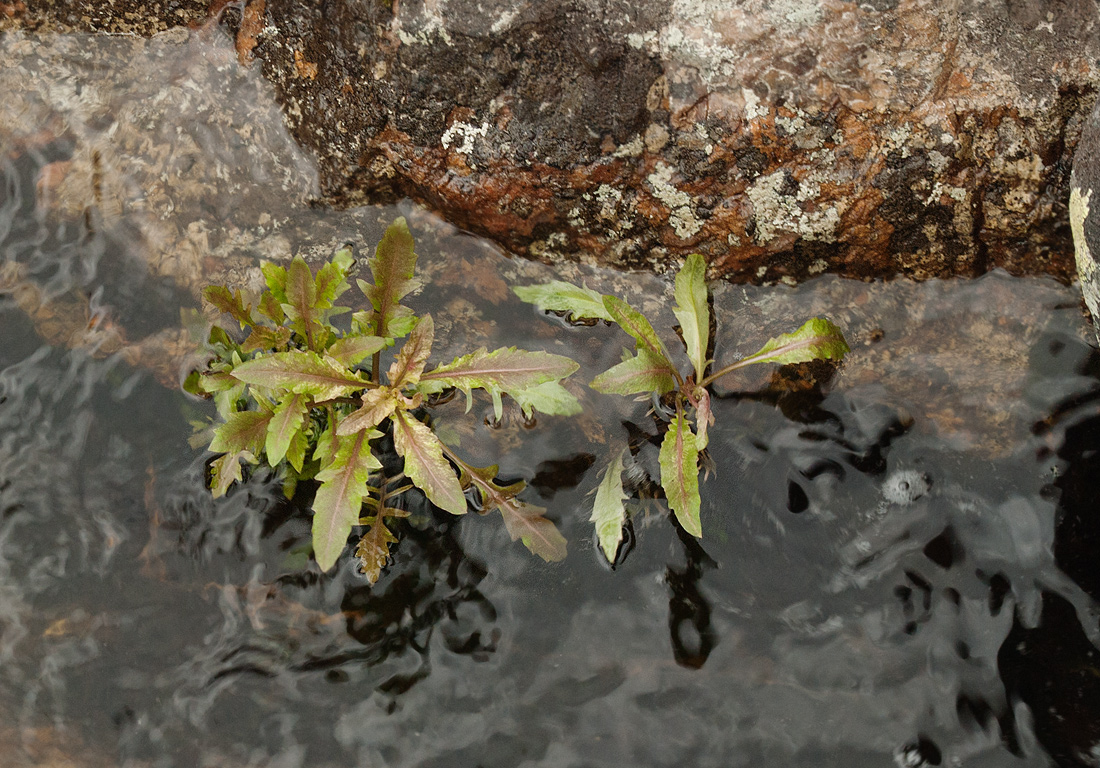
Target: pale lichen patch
<point>681,217</point>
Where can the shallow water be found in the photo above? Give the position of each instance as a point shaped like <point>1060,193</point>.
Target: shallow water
<point>897,562</point>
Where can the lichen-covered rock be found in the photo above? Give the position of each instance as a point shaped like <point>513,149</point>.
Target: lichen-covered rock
<point>1084,212</point>
<point>781,139</point>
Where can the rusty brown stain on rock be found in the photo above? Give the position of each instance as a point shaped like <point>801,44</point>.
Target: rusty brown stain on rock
<point>252,24</point>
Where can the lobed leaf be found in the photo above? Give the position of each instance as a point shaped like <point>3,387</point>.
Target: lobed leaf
<point>526,522</point>
<point>285,423</point>
<point>608,511</point>
<point>263,338</point>
<point>230,302</point>
<point>692,311</point>
<point>331,280</point>
<point>679,459</point>
<point>645,372</point>
<point>302,372</point>
<point>559,296</point>
<point>373,550</point>
<point>550,398</point>
<point>523,521</point>
<point>506,370</point>
<point>633,322</point>
<point>378,405</point>
<point>242,431</point>
<point>225,470</point>
<point>340,496</point>
<point>410,361</point>
<point>425,465</point>
<point>392,267</point>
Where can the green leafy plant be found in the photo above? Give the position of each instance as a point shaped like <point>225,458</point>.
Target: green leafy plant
<point>649,369</point>
<point>302,396</point>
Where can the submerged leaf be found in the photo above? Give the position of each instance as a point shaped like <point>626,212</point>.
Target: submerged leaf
<point>679,459</point>
<point>225,470</point>
<point>558,296</point>
<point>692,311</point>
<point>608,512</point>
<point>522,520</point>
<point>425,465</point>
<point>393,266</point>
<point>374,549</point>
<point>340,497</point>
<point>645,372</point>
<point>526,522</point>
<point>302,372</point>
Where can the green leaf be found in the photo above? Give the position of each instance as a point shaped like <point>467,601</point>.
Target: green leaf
<point>425,465</point>
<point>242,431</point>
<point>229,302</point>
<point>301,302</point>
<point>506,370</point>
<point>558,296</point>
<point>331,279</point>
<point>633,322</point>
<point>340,497</point>
<point>550,398</point>
<point>263,338</point>
<point>523,521</point>
<point>410,361</point>
<point>275,277</point>
<point>392,267</point>
<point>817,339</point>
<point>645,372</point>
<point>378,404</point>
<point>608,512</point>
<point>692,311</point>
<point>225,470</point>
<point>287,421</point>
<point>526,522</point>
<point>679,458</point>
<point>272,308</point>
<point>351,350</point>
<point>302,372</point>
<point>374,549</point>
<point>296,451</point>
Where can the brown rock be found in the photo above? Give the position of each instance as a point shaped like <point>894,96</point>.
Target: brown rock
<point>780,139</point>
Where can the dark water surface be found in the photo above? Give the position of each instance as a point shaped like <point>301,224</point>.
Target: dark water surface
<point>898,565</point>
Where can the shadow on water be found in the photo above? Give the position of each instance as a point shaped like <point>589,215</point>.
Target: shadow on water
<point>897,562</point>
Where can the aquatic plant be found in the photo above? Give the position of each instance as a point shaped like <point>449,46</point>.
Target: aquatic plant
<point>682,399</point>
<point>307,399</point>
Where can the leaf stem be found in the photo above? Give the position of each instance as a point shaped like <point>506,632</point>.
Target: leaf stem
<point>742,363</point>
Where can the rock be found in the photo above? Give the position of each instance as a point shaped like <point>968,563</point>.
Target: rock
<point>1084,216</point>
<point>781,139</point>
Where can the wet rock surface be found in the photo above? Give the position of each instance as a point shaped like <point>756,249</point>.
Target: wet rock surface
<point>780,139</point>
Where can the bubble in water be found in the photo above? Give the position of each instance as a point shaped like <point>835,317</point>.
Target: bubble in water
<point>905,486</point>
